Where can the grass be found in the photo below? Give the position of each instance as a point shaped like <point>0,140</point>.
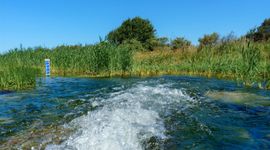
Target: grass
<point>243,61</point>
<point>19,68</point>
<point>17,77</point>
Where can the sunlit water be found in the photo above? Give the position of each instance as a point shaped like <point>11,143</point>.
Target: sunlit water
<point>167,112</point>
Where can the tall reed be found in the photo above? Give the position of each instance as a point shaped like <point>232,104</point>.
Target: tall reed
<point>240,60</point>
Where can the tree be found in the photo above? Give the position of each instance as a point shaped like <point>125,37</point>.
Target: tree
<point>209,40</point>
<point>264,29</point>
<point>137,28</point>
<point>261,33</point>
<point>180,43</point>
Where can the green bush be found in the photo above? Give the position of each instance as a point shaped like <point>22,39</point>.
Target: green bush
<point>135,45</point>
<point>208,40</point>
<point>180,43</point>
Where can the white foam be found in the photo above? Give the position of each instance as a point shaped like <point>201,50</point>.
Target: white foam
<point>125,121</point>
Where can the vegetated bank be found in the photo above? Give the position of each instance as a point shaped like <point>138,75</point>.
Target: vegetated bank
<point>128,52</point>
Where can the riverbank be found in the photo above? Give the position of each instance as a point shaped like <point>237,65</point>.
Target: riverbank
<point>247,63</point>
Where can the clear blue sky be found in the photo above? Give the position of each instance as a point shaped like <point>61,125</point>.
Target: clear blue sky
<point>53,22</point>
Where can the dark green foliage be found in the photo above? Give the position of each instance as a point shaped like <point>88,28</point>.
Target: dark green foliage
<point>251,57</point>
<point>151,44</point>
<point>121,58</point>
<point>134,45</point>
<point>264,29</point>
<point>100,57</point>
<point>18,77</point>
<point>137,28</point>
<point>180,43</point>
<point>209,40</point>
<point>262,33</point>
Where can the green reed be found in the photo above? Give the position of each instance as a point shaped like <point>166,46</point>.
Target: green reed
<point>19,68</point>
<point>243,61</point>
<point>17,77</point>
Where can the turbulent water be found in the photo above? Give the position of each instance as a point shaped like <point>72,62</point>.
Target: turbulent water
<point>167,112</point>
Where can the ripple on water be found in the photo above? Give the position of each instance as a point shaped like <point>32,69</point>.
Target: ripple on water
<point>128,120</point>
<point>155,113</point>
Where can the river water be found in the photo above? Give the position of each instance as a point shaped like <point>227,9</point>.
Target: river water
<point>168,112</point>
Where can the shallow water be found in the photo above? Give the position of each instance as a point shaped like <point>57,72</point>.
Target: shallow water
<point>169,112</point>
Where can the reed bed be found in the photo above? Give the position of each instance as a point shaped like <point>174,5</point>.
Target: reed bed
<point>243,61</point>
<point>20,67</point>
<point>246,62</point>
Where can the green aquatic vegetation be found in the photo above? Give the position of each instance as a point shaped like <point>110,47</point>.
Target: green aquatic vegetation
<point>121,58</point>
<point>19,68</point>
<point>240,60</point>
<point>17,77</point>
<point>251,57</point>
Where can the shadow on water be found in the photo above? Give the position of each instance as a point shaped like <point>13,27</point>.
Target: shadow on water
<point>5,92</point>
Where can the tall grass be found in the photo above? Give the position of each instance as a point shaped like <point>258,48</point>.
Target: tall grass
<point>17,77</point>
<point>240,60</point>
<point>18,68</point>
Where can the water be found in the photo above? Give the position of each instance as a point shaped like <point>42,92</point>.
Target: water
<point>169,112</point>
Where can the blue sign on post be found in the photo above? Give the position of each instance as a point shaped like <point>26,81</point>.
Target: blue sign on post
<point>47,67</point>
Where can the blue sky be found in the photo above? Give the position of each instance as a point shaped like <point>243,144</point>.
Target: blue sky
<point>53,22</point>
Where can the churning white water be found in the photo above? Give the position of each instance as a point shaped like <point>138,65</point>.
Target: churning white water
<point>127,120</point>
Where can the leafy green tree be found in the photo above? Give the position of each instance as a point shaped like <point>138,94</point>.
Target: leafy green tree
<point>262,33</point>
<point>264,29</point>
<point>180,43</point>
<point>137,28</point>
<point>209,40</point>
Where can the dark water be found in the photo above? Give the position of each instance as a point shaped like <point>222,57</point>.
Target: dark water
<point>166,112</point>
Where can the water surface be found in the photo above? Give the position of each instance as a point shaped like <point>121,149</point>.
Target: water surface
<point>169,112</point>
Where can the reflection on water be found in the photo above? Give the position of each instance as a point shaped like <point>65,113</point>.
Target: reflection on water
<point>167,112</point>
<point>240,98</point>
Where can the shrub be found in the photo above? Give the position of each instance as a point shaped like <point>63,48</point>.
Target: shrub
<point>180,43</point>
<point>208,40</point>
<point>134,45</point>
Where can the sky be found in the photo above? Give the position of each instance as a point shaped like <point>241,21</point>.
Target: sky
<point>49,23</point>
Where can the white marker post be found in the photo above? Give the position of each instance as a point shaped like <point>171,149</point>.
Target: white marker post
<point>47,67</point>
